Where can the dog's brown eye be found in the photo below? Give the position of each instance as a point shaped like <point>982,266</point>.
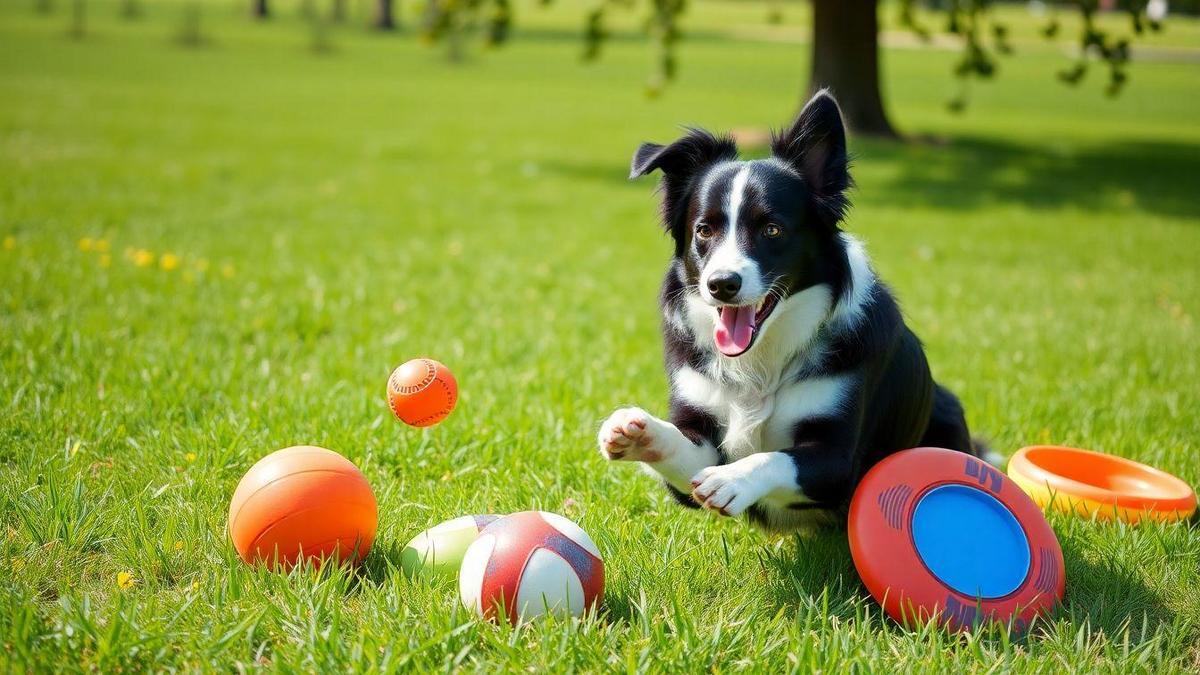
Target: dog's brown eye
<point>773,230</point>
<point>703,231</point>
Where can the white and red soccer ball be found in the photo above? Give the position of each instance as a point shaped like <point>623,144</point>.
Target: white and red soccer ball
<point>531,563</point>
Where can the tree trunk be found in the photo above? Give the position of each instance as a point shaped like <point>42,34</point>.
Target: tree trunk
<point>259,9</point>
<point>845,58</point>
<point>384,20</point>
<point>78,20</point>
<point>338,13</point>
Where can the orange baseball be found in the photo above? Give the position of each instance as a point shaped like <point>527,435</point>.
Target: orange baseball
<point>300,503</point>
<point>422,392</point>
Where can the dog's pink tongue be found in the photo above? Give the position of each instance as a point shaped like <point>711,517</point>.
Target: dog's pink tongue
<point>735,327</point>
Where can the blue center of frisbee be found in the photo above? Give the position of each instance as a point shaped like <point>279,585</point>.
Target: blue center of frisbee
<point>970,541</point>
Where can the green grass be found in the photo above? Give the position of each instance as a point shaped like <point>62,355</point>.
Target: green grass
<point>330,216</point>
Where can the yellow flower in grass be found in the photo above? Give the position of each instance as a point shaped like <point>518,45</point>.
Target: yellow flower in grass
<point>100,246</point>
<point>191,457</point>
<point>168,261</point>
<point>10,243</point>
<point>105,260</point>
<point>227,271</point>
<point>85,244</point>
<point>178,544</point>
<point>125,580</point>
<point>143,258</point>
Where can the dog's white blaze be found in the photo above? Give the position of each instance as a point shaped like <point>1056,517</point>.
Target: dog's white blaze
<point>737,192</point>
<point>728,256</point>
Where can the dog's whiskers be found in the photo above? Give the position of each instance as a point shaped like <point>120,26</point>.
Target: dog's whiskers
<point>676,295</point>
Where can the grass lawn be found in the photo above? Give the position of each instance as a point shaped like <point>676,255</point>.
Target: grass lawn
<point>212,253</point>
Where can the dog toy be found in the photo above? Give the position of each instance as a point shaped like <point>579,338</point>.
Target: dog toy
<point>440,549</point>
<point>422,392</point>
<point>939,534</point>
<point>1096,484</point>
<point>301,503</point>
<point>528,564</point>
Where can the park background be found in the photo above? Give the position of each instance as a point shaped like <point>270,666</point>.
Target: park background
<point>220,234</point>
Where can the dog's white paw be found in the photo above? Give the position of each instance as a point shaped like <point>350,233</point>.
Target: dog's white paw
<point>632,434</point>
<point>728,489</point>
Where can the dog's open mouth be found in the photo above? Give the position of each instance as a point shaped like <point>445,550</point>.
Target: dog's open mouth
<point>738,326</point>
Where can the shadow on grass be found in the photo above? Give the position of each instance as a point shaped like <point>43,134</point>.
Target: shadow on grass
<point>1111,597</point>
<point>969,173</point>
<point>382,563</point>
<point>813,564</point>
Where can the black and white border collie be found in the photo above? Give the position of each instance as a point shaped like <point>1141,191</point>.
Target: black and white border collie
<point>791,369</point>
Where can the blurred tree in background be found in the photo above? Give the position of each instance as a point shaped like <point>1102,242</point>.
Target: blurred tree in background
<point>385,17</point>
<point>78,27</point>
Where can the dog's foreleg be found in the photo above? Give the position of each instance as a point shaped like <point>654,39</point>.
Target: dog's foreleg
<point>818,468</point>
<point>632,434</point>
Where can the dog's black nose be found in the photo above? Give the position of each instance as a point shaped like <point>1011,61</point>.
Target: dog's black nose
<point>724,286</point>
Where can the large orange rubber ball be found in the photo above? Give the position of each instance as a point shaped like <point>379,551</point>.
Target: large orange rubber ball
<point>303,502</point>
<point>422,392</point>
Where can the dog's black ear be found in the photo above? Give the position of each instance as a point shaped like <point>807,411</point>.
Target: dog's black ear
<point>684,157</point>
<point>681,162</point>
<point>645,159</point>
<point>815,145</point>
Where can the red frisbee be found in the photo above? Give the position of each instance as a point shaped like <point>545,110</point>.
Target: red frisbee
<point>939,534</point>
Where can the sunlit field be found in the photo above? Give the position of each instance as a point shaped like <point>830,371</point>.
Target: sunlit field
<point>208,253</point>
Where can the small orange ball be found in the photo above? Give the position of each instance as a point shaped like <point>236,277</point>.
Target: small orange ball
<point>303,502</point>
<point>422,392</point>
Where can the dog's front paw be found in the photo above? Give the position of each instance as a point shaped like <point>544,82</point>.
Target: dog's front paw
<point>727,489</point>
<point>631,434</point>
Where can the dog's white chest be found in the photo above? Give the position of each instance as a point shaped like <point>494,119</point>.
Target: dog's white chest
<point>754,420</point>
<point>746,424</point>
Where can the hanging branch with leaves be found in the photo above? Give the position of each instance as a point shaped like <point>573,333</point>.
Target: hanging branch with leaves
<point>453,21</point>
<point>984,37</point>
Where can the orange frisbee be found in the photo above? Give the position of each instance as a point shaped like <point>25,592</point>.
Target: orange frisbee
<point>301,503</point>
<point>1096,484</point>
<point>938,534</point>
